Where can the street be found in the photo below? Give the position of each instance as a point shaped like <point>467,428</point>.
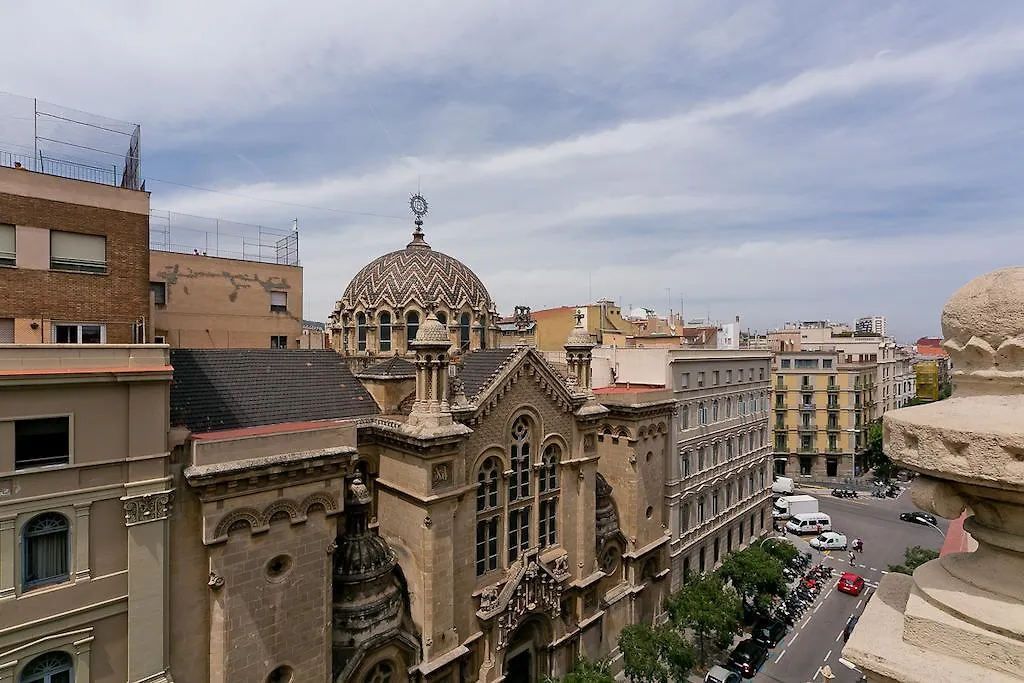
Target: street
<point>816,639</point>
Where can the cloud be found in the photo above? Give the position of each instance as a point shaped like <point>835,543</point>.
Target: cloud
<point>775,160</point>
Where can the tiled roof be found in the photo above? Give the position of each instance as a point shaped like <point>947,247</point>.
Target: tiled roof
<point>936,351</point>
<point>313,325</point>
<point>629,388</point>
<point>477,368</point>
<point>216,389</point>
<point>396,367</point>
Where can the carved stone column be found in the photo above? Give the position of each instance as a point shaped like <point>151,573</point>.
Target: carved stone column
<point>961,617</point>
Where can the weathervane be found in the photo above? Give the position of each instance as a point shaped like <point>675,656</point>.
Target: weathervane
<point>418,205</point>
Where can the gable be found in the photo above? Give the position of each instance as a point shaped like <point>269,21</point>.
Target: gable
<point>519,362</point>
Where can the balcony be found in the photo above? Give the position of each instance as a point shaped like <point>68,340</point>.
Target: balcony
<point>806,450</point>
<point>808,427</point>
<point>716,522</point>
<point>807,387</point>
<point>833,388</point>
<point>833,427</point>
<point>834,450</point>
<point>807,407</point>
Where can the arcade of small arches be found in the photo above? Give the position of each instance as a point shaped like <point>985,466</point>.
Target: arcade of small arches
<point>388,332</point>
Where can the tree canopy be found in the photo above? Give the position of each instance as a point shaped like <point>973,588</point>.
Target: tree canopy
<point>781,549</point>
<point>708,607</point>
<point>654,654</point>
<point>756,575</point>
<point>913,558</point>
<point>875,456</point>
<point>585,671</point>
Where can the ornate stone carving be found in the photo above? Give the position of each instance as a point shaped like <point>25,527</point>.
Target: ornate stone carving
<point>561,567</point>
<point>531,588</point>
<point>488,597</point>
<point>216,581</point>
<point>428,522</point>
<point>147,508</point>
<point>440,475</point>
<point>522,318</point>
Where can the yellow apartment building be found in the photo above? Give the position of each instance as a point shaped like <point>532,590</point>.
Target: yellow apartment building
<point>823,401</point>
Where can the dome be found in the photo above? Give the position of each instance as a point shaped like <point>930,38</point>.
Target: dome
<point>416,275</point>
<point>432,332</point>
<point>361,554</point>
<point>579,337</point>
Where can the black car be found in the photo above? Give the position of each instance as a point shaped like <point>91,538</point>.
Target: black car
<point>768,632</point>
<point>748,657</point>
<point>850,623</point>
<point>918,517</point>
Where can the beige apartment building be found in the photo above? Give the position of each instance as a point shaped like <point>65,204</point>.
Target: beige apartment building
<point>716,484</point>
<point>84,502</point>
<point>210,302</point>
<point>823,402</point>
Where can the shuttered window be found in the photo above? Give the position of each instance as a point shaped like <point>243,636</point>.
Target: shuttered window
<point>8,252</point>
<point>78,252</point>
<point>279,301</point>
<point>6,330</point>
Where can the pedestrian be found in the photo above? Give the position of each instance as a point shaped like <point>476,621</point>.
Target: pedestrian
<point>860,545</point>
<point>853,559</point>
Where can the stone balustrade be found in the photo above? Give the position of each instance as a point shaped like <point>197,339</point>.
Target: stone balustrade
<point>961,617</point>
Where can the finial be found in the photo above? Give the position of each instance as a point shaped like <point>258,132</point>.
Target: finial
<point>419,208</point>
<point>579,317</point>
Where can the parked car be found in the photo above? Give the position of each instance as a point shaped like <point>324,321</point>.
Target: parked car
<point>918,517</point>
<point>850,583</point>
<point>830,540</point>
<point>768,632</point>
<point>850,623</point>
<point>719,674</point>
<point>748,657</point>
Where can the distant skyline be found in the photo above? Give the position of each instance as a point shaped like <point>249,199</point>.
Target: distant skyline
<point>775,160</point>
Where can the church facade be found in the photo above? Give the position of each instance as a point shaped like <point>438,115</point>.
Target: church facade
<point>417,504</point>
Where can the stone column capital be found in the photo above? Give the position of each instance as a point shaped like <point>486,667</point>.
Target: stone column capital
<point>149,507</point>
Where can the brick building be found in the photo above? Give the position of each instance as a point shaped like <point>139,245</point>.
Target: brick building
<point>74,260</point>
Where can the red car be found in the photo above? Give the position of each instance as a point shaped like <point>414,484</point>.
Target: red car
<point>850,583</point>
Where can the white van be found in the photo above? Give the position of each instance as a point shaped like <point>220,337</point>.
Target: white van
<point>809,523</point>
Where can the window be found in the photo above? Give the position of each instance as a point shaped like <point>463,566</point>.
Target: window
<point>6,330</point>
<point>762,473</point>
<point>52,667</point>
<point>806,362</point>
<point>702,413</point>
<point>278,341</point>
<point>831,466</point>
<point>384,336</point>
<point>805,465</point>
<point>279,302</point>
<point>714,411</point>
<point>158,292</point>
<point>714,378</point>
<point>728,376</point>
<point>684,518</point>
<point>488,513</point>
<point>760,374</point>
<point>684,380</point>
<point>46,547</point>
<point>684,417</point>
<point>750,485</point>
<point>41,442</point>
<point>8,250</point>
<point>714,453</point>
<point>785,362</point>
<point>741,446</point>
<point>519,490</point>
<point>743,405</point>
<point>714,504</point>
<point>700,379</point>
<point>716,545</point>
<point>79,333</point>
<point>382,672</point>
<point>686,464</point>
<point>741,533</point>
<point>548,489</point>
<point>826,362</point>
<point>77,252</point>
<point>442,317</point>
<point>412,324</point>
<point>780,443</point>
<point>464,332</point>
<point>701,458</point>
<point>700,510</point>
<point>360,331</point>
<point>729,455</point>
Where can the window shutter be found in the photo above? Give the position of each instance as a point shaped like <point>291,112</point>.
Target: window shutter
<point>76,251</point>
<point>7,242</point>
<point>279,299</point>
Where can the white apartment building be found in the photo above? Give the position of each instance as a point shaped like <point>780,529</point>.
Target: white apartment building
<point>718,482</point>
<point>872,324</point>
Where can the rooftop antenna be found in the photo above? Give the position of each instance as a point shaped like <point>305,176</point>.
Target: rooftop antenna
<point>295,225</point>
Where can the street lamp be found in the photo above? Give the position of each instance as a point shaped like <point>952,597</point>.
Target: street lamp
<point>933,526</point>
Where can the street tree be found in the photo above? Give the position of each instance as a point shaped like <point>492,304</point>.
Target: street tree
<point>913,558</point>
<point>708,608</point>
<point>781,549</point>
<point>756,575</point>
<point>654,654</point>
<point>585,671</point>
<point>875,456</point>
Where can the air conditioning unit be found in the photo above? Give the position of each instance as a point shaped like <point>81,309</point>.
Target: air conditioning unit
<point>159,339</point>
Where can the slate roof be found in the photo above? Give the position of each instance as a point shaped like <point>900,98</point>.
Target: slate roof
<point>477,368</point>
<point>216,389</point>
<point>396,367</point>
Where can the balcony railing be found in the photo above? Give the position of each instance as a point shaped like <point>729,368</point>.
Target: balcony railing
<point>833,388</point>
<point>715,471</point>
<point>807,406</point>
<point>833,427</point>
<point>806,449</point>
<point>726,516</point>
<point>808,427</point>
<point>806,387</point>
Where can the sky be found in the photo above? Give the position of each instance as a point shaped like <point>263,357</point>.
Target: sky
<point>789,160</point>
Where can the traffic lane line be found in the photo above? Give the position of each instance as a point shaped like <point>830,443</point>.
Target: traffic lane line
<point>781,655</point>
<point>827,656</point>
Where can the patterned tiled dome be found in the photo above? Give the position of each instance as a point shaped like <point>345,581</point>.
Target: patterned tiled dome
<point>416,275</point>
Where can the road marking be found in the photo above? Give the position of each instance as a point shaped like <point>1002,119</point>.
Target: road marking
<point>827,594</point>
<point>793,639</point>
<point>839,636</point>
<point>848,664</point>
<point>781,655</point>
<point>817,608</point>
<point>816,674</point>
<point>827,656</point>
<point>873,569</point>
<point>858,604</point>
<point>884,572</point>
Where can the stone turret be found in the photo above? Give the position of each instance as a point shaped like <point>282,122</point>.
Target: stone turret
<point>961,617</point>
<point>431,346</point>
<point>578,351</point>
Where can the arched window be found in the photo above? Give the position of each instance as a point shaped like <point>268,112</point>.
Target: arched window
<point>702,413</point>
<point>548,488</point>
<point>519,490</point>
<point>46,544</point>
<point>442,317</point>
<point>382,672</point>
<point>483,331</point>
<point>743,405</point>
<point>488,516</point>
<point>412,324</point>
<point>464,332</point>
<point>384,337</point>
<point>360,331</point>
<point>52,667</point>
<point>714,411</point>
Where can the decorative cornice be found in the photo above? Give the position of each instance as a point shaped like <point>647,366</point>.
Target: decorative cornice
<point>150,507</point>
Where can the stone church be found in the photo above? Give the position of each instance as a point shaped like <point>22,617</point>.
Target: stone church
<point>418,505</point>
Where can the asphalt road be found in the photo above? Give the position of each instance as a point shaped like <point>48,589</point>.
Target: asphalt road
<point>816,640</point>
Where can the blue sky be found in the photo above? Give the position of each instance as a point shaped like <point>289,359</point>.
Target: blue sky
<point>773,160</point>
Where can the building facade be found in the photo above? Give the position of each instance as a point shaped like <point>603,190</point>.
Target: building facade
<point>74,260</point>
<point>823,402</point>
<point>210,302</point>
<point>872,324</point>
<point>439,514</point>
<point>84,500</point>
<point>718,483</point>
